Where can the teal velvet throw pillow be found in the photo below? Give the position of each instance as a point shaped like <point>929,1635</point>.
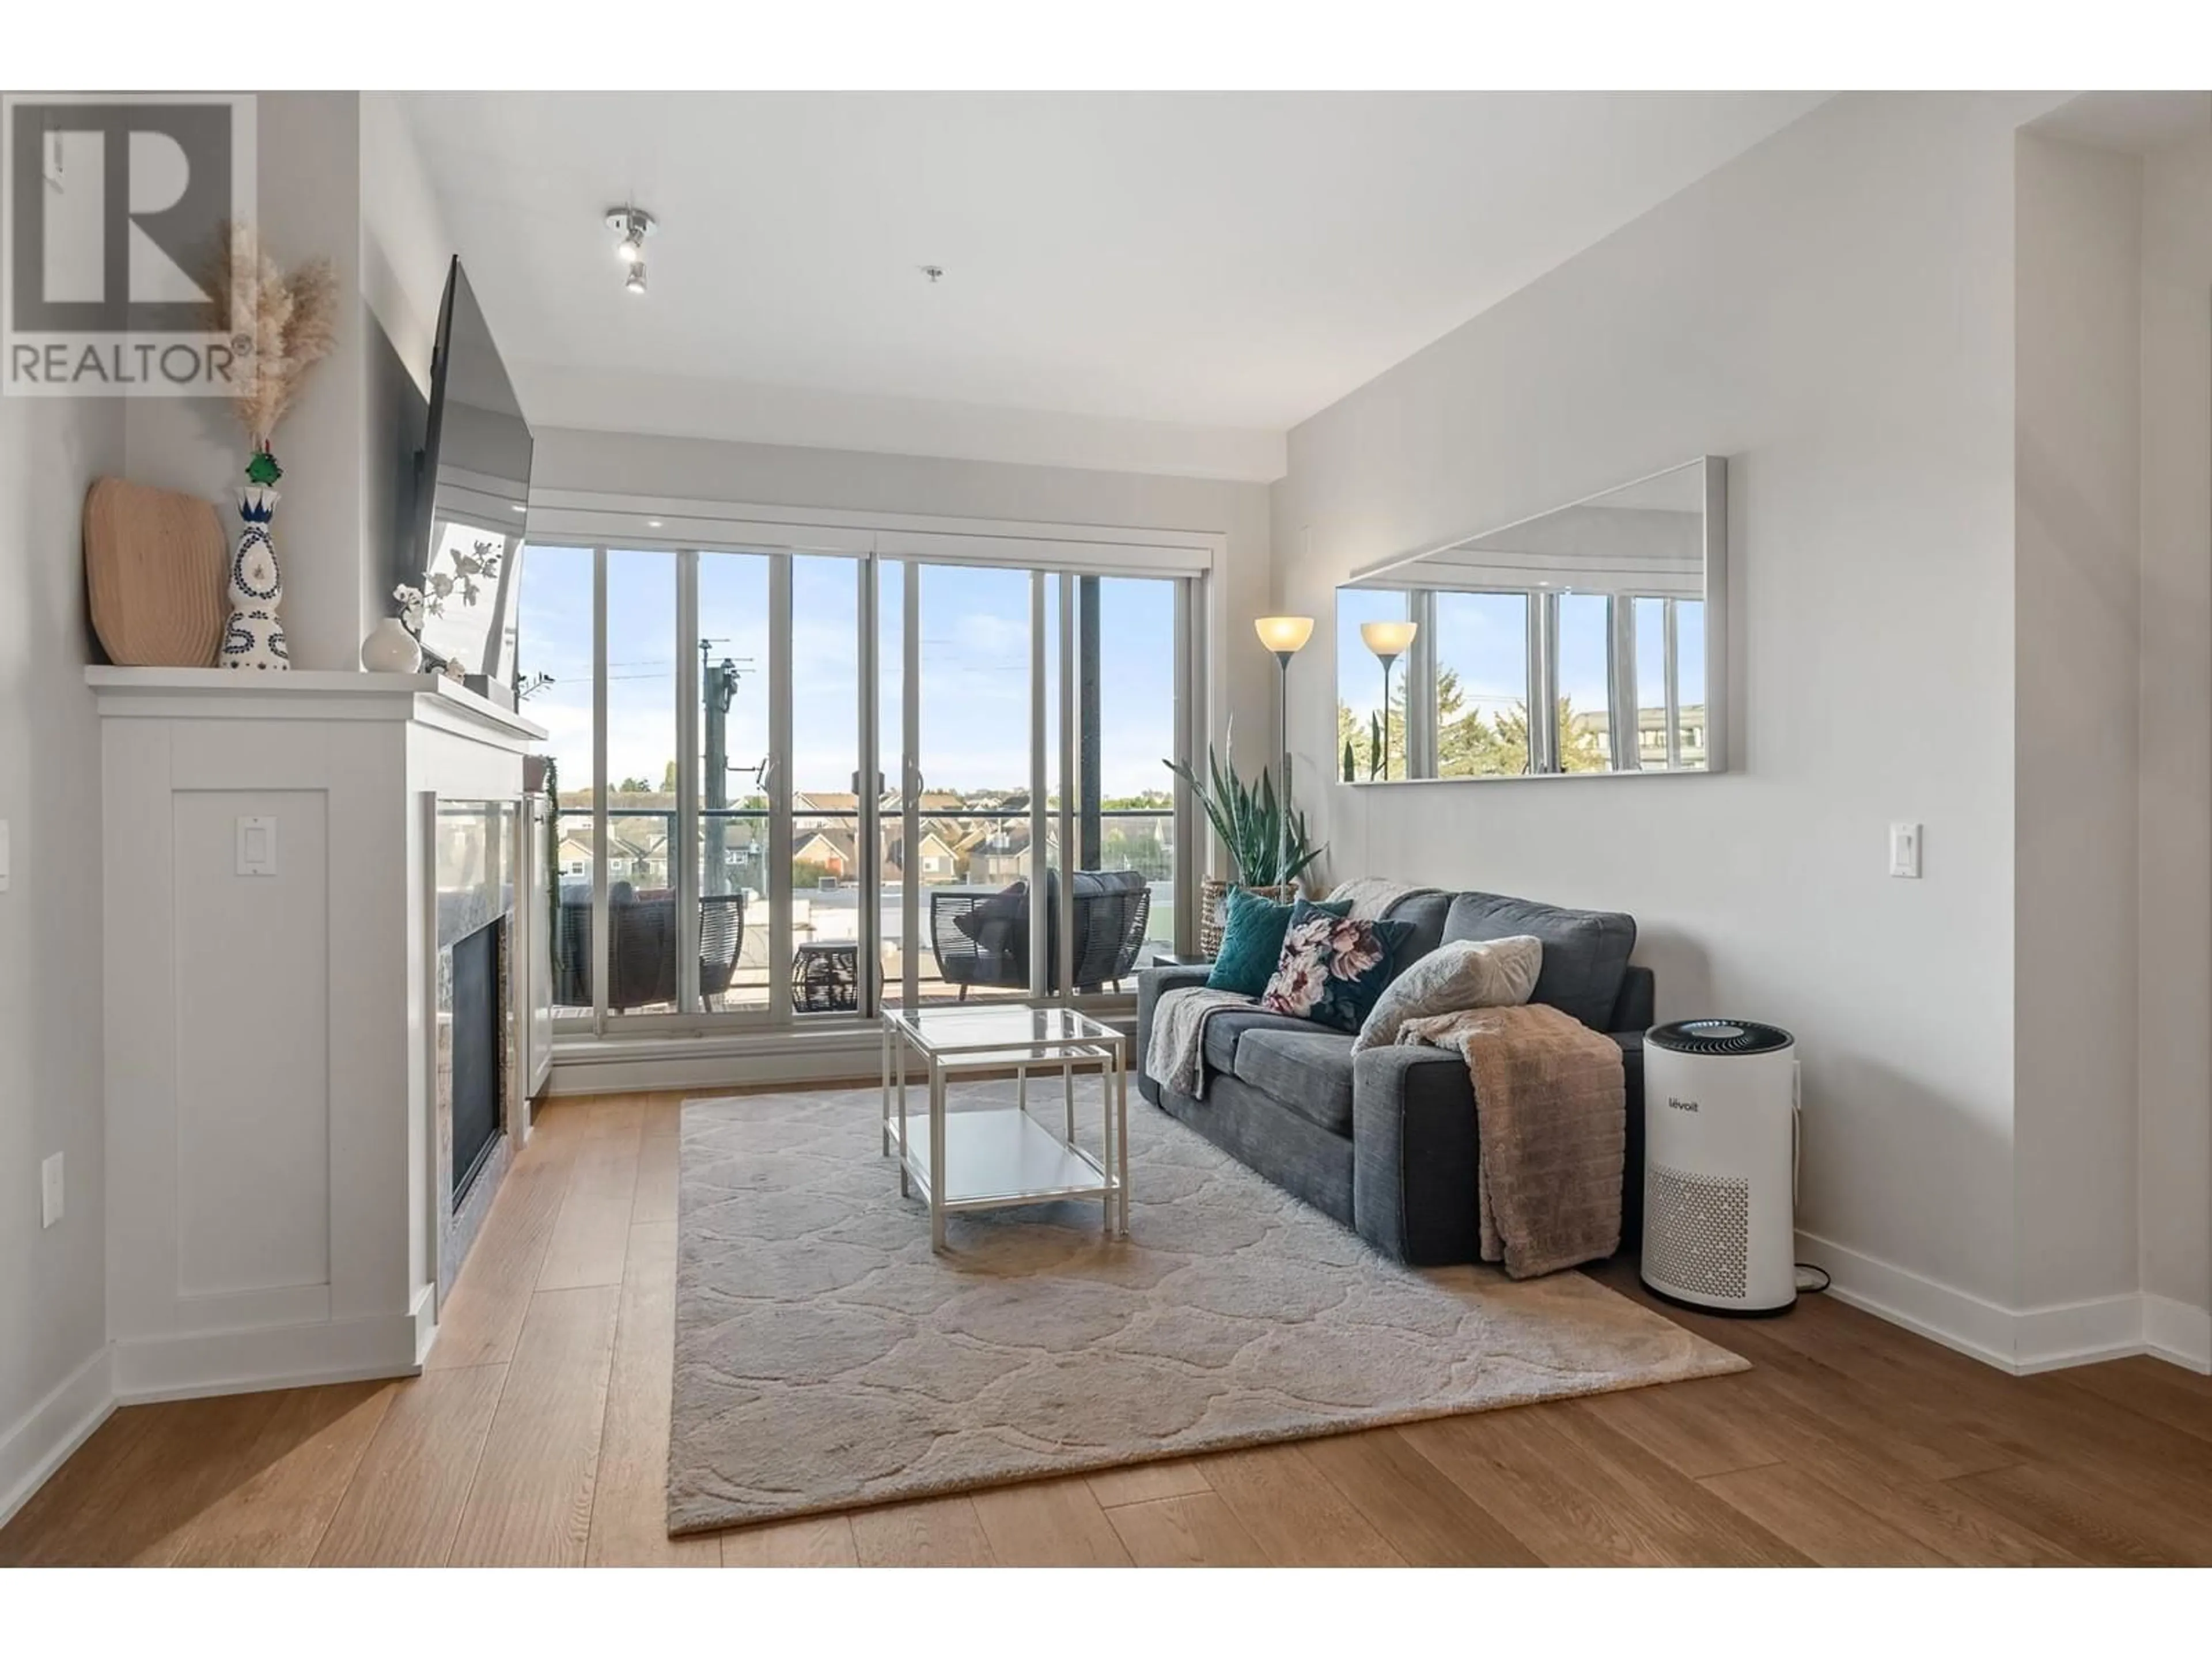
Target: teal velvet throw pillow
<point>1333,969</point>
<point>1252,941</point>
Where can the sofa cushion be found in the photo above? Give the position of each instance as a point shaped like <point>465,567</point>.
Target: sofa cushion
<point>1334,967</point>
<point>1585,951</point>
<point>1498,973</point>
<point>1307,1071</point>
<point>1424,911</point>
<point>1252,940</point>
<point>1225,1029</point>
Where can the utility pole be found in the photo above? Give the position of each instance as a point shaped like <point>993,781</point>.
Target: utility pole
<point>718,689</point>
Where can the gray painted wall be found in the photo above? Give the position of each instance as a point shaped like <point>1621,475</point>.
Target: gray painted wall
<point>2076,620</point>
<point>310,207</point>
<point>1833,311</point>
<point>53,1307</point>
<point>2175,974</point>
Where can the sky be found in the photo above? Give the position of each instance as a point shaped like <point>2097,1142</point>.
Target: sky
<point>975,700</point>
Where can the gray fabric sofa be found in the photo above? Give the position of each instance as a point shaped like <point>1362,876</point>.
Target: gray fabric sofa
<point>1385,1140</point>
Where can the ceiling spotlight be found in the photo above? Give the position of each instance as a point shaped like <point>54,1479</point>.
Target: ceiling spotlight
<point>631,226</point>
<point>635,281</point>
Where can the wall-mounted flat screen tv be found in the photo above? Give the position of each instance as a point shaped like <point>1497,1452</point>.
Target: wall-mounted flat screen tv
<point>472,499</point>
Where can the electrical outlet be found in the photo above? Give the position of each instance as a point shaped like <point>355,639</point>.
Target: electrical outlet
<point>50,1191</point>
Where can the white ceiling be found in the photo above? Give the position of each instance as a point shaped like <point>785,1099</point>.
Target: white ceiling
<point>1189,275</point>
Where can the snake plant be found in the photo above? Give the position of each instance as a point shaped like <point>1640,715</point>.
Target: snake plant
<point>1266,838</point>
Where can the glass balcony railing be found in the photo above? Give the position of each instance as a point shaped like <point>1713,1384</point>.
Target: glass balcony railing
<point>963,853</point>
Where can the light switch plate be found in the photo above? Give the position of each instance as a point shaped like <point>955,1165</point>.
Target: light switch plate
<point>1904,850</point>
<point>256,846</point>
<point>50,1191</point>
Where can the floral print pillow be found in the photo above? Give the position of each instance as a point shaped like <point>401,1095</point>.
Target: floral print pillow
<point>1333,968</point>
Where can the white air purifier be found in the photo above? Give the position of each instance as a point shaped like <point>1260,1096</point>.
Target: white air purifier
<point>1720,1165</point>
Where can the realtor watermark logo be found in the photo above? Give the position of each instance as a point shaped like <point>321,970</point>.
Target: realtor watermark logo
<point>111,207</point>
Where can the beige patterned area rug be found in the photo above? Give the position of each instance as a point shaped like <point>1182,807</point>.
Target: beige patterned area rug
<point>825,1358</point>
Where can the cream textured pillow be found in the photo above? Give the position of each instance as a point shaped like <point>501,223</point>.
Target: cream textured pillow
<point>1491,973</point>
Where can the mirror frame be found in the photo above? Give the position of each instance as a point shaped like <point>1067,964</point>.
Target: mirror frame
<point>1718,721</point>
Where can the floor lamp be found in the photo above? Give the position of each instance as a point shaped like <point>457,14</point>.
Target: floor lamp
<point>1286,637</point>
<point>1387,640</point>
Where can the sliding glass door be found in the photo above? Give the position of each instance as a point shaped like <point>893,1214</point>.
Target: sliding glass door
<point>796,784</point>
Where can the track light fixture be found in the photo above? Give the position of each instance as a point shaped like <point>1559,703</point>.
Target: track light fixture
<point>631,226</point>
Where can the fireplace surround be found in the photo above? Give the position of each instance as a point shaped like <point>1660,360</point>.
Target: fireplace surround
<point>280,1178</point>
<point>478,1118</point>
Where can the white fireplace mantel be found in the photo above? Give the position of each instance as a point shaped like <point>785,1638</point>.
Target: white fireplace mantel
<point>271,1210</point>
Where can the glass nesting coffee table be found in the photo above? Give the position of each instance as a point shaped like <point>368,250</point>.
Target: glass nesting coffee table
<point>992,1157</point>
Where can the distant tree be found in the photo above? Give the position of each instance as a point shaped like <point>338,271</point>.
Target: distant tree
<point>633,787</point>
<point>668,779</point>
<point>1580,750</point>
<point>1469,744</point>
<point>806,876</point>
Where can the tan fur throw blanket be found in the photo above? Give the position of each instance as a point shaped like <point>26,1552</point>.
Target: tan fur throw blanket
<point>1551,1123</point>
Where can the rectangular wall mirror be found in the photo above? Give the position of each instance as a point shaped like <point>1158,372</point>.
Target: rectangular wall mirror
<point>1612,612</point>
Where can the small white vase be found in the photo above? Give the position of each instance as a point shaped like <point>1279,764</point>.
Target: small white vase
<point>254,637</point>
<point>390,649</point>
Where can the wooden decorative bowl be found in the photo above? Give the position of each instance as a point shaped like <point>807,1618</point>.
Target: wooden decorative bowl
<point>155,570</point>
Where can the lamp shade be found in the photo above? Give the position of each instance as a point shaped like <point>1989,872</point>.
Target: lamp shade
<point>1388,638</point>
<point>1283,632</point>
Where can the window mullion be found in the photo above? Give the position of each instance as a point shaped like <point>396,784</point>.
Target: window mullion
<point>780,895</point>
<point>1040,966</point>
<point>867,790</point>
<point>601,842</point>
<point>683,856</point>
<point>1673,690</point>
<point>1064,906</point>
<point>1188,710</point>
<point>1623,719</point>
<point>911,943</point>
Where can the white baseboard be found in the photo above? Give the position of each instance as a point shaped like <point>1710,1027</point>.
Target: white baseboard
<point>2078,1333</point>
<point>41,1441</point>
<point>846,1054</point>
<point>424,1313</point>
<point>748,1062</point>
<point>2177,1331</point>
<point>2021,1342</point>
<point>280,1357</point>
<point>1956,1318</point>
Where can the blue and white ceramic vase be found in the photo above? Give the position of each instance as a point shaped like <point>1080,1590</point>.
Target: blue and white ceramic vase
<point>255,637</point>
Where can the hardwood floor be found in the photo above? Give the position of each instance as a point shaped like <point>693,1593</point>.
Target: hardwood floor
<point>539,1435</point>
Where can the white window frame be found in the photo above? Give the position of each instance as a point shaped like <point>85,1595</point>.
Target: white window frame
<point>688,527</point>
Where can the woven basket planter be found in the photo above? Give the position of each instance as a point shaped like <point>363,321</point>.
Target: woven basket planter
<point>1213,908</point>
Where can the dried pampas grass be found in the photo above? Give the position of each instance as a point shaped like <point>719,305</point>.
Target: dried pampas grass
<point>284,322</point>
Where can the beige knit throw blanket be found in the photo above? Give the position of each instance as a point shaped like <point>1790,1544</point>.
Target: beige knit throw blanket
<point>1551,1127</point>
